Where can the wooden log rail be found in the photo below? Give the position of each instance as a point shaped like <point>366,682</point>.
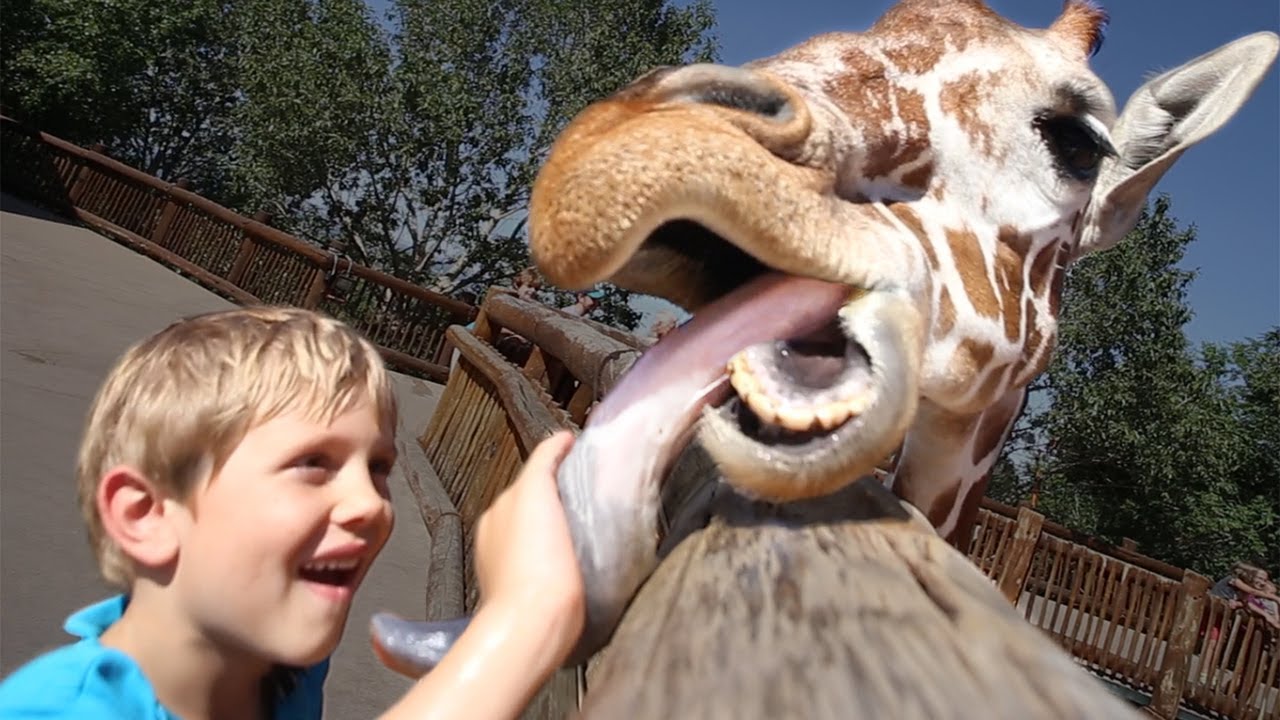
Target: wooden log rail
<point>243,259</point>
<point>1125,616</point>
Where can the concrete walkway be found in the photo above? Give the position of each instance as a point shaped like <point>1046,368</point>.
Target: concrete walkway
<point>70,302</point>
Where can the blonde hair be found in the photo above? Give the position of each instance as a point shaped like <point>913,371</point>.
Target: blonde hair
<point>178,402</point>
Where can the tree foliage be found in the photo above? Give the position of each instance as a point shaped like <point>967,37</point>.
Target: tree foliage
<point>152,80</point>
<point>410,140</point>
<point>416,145</point>
<point>1134,433</point>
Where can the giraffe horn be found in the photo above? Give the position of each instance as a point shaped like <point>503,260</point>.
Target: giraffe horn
<point>1083,25</point>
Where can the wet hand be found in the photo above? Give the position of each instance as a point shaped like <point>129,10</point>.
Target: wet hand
<point>524,555</point>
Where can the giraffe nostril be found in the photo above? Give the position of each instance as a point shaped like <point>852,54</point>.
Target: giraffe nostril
<point>755,98</point>
<point>728,87</point>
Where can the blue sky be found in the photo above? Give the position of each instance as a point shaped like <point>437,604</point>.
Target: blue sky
<point>1228,186</point>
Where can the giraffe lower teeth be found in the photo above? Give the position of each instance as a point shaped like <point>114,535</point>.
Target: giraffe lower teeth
<point>800,413</point>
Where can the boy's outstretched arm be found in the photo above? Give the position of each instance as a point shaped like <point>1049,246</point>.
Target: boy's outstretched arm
<point>531,610</point>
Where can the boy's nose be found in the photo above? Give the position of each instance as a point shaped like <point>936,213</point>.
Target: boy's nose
<point>362,502</point>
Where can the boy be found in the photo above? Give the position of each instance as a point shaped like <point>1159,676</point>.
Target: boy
<point>233,479</point>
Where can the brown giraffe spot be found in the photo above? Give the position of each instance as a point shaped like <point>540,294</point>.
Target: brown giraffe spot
<point>919,178</point>
<point>1041,266</point>
<point>914,58</point>
<point>909,218</point>
<point>1055,287</point>
<point>942,505</point>
<point>971,264</point>
<point>1033,330</point>
<point>1018,242</point>
<point>969,506</point>
<point>992,428</point>
<point>973,354</point>
<point>963,100</point>
<point>946,311</point>
<point>1009,278</point>
<point>887,153</point>
<point>861,90</point>
<point>992,386</point>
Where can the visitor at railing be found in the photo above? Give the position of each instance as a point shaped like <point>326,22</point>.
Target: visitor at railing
<point>1249,587</point>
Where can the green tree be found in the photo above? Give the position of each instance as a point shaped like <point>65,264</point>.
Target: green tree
<point>417,145</point>
<point>150,79</point>
<point>1136,434</point>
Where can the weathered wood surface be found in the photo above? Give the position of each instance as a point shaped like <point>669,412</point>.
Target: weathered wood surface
<point>589,355</point>
<point>444,526</point>
<point>846,607</point>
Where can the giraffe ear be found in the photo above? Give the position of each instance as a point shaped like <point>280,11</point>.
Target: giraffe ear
<point>1163,118</point>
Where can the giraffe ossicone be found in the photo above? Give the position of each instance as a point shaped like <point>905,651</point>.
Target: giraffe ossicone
<point>915,192</point>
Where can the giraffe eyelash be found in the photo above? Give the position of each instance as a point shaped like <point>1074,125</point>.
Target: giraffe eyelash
<point>1078,143</point>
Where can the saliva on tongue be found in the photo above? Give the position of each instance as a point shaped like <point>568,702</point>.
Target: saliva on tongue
<point>610,482</point>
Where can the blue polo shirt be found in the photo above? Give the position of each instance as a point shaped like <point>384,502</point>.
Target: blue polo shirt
<point>86,680</point>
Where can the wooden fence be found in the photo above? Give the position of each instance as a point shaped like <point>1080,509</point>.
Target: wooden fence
<point>1132,619</point>
<point>243,259</point>
<point>528,370</point>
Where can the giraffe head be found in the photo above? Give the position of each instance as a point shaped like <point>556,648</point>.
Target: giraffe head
<point>875,227</point>
<point>871,230</point>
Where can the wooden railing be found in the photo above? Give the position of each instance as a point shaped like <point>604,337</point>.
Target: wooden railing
<point>243,259</point>
<point>1130,618</point>
<point>1127,617</point>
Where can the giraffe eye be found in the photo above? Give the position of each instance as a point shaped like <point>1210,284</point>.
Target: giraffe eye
<point>1077,147</point>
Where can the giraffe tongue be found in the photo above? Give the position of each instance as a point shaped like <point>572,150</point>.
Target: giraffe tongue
<point>662,393</point>
<point>610,481</point>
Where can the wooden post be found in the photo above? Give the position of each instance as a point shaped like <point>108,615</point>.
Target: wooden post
<point>315,291</point>
<point>1172,676</point>
<point>243,257</point>
<point>248,249</point>
<point>1129,544</point>
<point>1017,559</point>
<point>161,232</point>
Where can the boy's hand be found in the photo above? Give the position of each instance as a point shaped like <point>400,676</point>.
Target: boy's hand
<point>524,556</point>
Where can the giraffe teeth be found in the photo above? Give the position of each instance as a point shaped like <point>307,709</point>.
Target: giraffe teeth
<point>830,415</point>
<point>796,418</point>
<point>740,376</point>
<point>762,406</point>
<point>789,415</point>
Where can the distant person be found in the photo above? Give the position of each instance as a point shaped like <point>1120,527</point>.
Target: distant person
<point>233,479</point>
<point>528,283</point>
<point>584,303</point>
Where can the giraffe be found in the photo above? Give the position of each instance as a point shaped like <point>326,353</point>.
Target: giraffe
<point>871,232</point>
<point>947,165</point>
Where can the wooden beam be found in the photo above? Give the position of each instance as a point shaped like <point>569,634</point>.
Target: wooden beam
<point>845,607</point>
<point>1172,676</point>
<point>532,419</point>
<point>1026,534</point>
<point>591,356</point>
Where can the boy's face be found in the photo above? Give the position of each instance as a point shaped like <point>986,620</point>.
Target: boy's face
<point>273,546</point>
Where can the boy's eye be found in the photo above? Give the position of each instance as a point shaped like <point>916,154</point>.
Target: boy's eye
<point>312,463</point>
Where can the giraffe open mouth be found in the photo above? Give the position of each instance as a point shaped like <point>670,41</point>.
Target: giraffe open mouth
<point>788,393</point>
<point>710,193</point>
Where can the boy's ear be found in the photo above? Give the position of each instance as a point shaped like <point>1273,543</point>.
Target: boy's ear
<point>137,518</point>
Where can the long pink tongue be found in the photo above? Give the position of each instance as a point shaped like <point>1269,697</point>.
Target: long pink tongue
<point>610,483</point>
<point>663,391</point>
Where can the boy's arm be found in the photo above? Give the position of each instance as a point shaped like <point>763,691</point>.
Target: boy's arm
<point>493,671</point>
<point>531,612</point>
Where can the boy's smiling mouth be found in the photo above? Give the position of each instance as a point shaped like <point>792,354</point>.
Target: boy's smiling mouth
<point>332,572</point>
<point>336,574</point>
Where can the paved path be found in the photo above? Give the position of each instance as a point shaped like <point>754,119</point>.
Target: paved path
<point>70,302</point>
